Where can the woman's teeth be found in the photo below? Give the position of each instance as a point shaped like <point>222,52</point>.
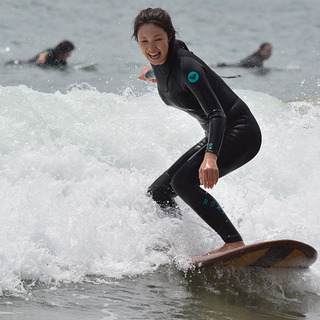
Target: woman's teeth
<point>154,55</point>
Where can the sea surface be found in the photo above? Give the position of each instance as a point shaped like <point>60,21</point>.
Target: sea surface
<point>79,239</point>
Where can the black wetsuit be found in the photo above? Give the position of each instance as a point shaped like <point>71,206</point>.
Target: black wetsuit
<point>52,59</point>
<point>253,61</point>
<point>186,82</point>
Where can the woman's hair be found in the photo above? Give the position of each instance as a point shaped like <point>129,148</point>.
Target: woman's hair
<point>263,45</point>
<point>64,47</point>
<point>156,16</point>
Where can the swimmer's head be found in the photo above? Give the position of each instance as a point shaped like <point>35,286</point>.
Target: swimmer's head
<point>155,16</point>
<point>64,48</point>
<point>265,50</point>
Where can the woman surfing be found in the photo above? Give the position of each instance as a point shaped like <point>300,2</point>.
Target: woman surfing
<point>231,134</point>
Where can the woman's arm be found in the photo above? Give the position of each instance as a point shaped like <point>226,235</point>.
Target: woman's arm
<point>196,80</point>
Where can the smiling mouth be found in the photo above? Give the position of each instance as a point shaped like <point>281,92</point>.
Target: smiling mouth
<point>154,56</point>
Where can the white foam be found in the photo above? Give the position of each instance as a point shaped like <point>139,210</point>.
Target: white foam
<point>74,169</point>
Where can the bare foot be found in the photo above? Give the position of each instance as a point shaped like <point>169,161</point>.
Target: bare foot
<point>227,247</point>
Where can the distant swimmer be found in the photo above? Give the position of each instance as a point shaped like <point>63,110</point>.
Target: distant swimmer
<point>56,57</point>
<point>253,61</point>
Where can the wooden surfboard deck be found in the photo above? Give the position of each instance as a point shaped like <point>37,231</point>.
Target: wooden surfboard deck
<point>269,254</point>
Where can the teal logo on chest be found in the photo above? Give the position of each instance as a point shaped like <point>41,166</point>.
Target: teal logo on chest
<point>193,77</point>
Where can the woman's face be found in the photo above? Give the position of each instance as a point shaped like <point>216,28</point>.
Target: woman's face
<point>154,43</point>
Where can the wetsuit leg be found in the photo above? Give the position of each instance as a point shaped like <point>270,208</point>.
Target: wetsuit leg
<point>161,190</point>
<point>187,186</point>
<point>241,143</point>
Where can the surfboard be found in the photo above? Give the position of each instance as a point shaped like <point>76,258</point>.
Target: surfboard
<point>86,66</point>
<point>269,254</point>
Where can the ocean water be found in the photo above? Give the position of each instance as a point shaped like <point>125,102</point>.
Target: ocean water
<point>78,150</point>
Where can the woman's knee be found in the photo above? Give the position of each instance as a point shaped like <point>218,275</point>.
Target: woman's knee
<point>161,190</point>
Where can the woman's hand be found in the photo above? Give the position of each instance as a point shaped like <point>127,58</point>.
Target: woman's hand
<point>143,75</point>
<point>209,171</point>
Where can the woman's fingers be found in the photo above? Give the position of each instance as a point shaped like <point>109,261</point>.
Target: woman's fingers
<point>208,177</point>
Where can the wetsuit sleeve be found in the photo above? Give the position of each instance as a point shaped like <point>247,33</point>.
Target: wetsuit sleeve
<point>195,79</point>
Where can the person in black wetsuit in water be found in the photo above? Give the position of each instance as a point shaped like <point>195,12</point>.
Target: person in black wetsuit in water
<point>232,135</point>
<point>255,60</point>
<point>56,57</point>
